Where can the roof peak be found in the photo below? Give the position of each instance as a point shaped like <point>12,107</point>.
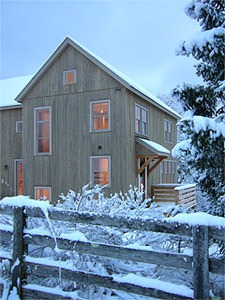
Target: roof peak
<point>112,71</point>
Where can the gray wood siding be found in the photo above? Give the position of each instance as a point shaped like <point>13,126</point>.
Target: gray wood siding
<point>10,147</point>
<point>68,167</point>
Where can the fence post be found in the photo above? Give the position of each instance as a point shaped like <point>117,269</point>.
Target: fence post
<point>200,262</point>
<point>18,249</point>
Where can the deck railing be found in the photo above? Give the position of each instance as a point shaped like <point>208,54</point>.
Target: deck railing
<point>184,194</point>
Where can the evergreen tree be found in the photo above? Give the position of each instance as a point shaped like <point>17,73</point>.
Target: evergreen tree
<point>203,127</point>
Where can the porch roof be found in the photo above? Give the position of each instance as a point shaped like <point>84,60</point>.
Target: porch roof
<point>146,147</point>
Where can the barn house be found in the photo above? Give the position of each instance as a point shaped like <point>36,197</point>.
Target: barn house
<point>80,120</point>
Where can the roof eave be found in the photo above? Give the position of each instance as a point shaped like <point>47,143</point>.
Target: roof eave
<point>70,42</point>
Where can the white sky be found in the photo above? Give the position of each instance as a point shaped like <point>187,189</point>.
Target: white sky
<point>137,37</point>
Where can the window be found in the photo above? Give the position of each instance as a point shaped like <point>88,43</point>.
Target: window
<point>69,77</point>
<point>19,126</point>
<point>141,119</point>
<point>42,193</point>
<point>18,176</point>
<point>168,131</point>
<point>42,130</point>
<point>100,115</point>
<point>168,171</point>
<point>100,170</point>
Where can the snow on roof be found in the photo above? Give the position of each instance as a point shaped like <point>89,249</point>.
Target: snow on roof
<point>154,147</point>
<point>130,84</point>
<point>10,88</point>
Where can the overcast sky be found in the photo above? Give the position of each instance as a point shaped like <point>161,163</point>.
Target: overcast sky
<point>137,37</point>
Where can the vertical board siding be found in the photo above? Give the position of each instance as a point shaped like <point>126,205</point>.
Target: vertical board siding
<point>11,149</point>
<point>68,167</point>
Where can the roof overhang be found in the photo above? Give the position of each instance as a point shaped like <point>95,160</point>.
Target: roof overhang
<point>146,147</point>
<point>116,74</point>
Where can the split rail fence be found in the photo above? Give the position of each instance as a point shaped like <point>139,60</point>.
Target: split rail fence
<point>200,263</point>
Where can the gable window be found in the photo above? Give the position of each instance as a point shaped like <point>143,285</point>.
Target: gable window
<point>168,171</point>
<point>42,193</point>
<point>168,131</point>
<point>69,77</point>
<point>100,115</point>
<point>141,119</point>
<point>19,126</point>
<point>42,130</point>
<point>100,170</point>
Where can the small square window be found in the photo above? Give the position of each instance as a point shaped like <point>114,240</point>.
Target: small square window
<point>42,193</point>
<point>69,77</point>
<point>19,126</point>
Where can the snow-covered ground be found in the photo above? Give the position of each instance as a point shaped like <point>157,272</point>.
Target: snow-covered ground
<point>146,275</point>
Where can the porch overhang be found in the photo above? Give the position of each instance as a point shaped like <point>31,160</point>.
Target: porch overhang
<point>152,152</point>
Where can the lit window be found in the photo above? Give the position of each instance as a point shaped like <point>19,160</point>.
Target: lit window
<point>18,177</point>
<point>141,119</point>
<point>42,193</point>
<point>69,77</point>
<point>168,131</point>
<point>19,126</point>
<point>168,171</point>
<point>100,116</point>
<point>100,170</point>
<point>42,124</point>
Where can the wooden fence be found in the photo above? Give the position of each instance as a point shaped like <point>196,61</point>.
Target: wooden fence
<point>201,264</point>
<point>184,194</point>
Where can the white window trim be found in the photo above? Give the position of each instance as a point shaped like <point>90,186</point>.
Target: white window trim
<point>91,169</point>
<point>50,131</point>
<point>43,187</point>
<point>109,118</point>
<point>147,115</point>
<point>165,139</point>
<point>15,174</point>
<point>69,71</point>
<point>18,123</point>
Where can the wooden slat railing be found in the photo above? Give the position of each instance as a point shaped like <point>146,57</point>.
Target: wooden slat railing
<point>184,194</point>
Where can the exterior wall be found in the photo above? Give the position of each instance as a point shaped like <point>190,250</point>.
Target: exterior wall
<point>73,143</point>
<point>68,167</point>
<point>10,147</point>
<point>155,131</point>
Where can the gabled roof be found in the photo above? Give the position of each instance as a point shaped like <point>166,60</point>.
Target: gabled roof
<point>113,72</point>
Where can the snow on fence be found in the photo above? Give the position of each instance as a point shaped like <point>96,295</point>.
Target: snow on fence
<point>184,194</point>
<point>23,265</point>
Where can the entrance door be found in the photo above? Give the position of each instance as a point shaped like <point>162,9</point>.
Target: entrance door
<point>143,176</point>
<point>18,176</point>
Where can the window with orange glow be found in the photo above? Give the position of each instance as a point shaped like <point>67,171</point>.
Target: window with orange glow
<point>69,77</point>
<point>18,177</point>
<point>42,130</point>
<point>100,116</point>
<point>100,170</point>
<point>43,193</point>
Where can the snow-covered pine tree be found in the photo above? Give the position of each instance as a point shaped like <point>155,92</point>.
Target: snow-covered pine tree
<point>203,127</point>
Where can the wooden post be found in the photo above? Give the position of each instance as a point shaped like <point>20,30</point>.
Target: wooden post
<point>200,262</point>
<point>18,249</point>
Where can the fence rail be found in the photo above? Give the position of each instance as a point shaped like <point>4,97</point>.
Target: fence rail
<point>24,266</point>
